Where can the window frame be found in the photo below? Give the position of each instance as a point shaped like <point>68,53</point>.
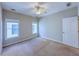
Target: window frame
<point>11,20</point>
<point>36,28</point>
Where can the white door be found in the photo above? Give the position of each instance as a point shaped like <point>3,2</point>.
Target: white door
<point>70,31</point>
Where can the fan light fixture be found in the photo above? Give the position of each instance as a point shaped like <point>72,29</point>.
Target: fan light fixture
<point>39,9</point>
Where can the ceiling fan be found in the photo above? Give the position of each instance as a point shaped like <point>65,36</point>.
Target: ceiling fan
<point>38,8</point>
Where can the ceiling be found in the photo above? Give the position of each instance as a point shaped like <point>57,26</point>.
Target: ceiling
<point>27,7</point>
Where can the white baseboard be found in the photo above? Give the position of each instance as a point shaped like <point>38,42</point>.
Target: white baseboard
<point>48,38</point>
<point>19,40</point>
<point>51,39</point>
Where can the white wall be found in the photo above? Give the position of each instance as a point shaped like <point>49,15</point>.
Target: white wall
<point>0,29</point>
<point>25,25</point>
<point>51,25</point>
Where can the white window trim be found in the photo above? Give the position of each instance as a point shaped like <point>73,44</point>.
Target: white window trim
<point>10,20</point>
<point>32,28</point>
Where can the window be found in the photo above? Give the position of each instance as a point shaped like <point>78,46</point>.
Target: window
<point>34,28</point>
<point>12,29</point>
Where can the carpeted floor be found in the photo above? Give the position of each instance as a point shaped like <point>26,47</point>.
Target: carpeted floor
<point>40,47</point>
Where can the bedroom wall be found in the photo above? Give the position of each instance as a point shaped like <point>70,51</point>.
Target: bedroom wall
<point>51,26</point>
<point>0,29</point>
<point>25,26</point>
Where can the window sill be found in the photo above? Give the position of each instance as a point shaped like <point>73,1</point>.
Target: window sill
<point>12,38</point>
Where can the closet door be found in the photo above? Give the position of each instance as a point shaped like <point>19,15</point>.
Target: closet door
<point>70,31</point>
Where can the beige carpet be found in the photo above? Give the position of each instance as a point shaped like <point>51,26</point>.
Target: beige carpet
<point>40,47</point>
